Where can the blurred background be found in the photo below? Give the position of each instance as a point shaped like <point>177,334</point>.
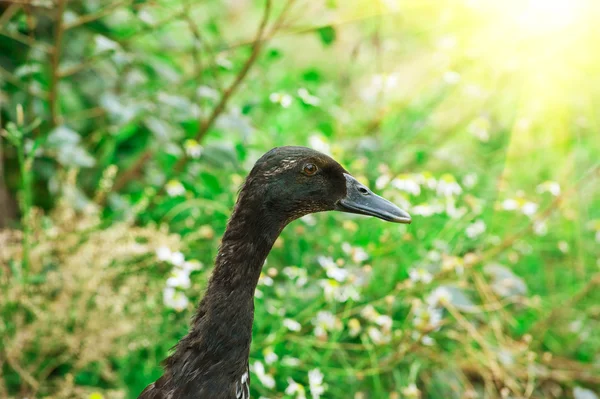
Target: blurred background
<point>129,125</point>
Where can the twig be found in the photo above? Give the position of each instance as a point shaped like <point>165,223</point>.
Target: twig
<point>541,325</point>
<point>84,19</point>
<point>205,126</point>
<point>27,40</point>
<point>3,191</point>
<point>20,84</point>
<point>54,61</point>
<point>74,69</point>
<point>24,374</point>
<point>9,13</point>
<point>133,171</point>
<point>197,38</point>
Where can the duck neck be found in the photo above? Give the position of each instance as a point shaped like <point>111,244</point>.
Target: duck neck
<point>221,330</point>
<point>247,241</point>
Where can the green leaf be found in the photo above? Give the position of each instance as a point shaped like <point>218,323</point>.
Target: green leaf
<point>327,34</point>
<point>311,75</point>
<point>211,182</point>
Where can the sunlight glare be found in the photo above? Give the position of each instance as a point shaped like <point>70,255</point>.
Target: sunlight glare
<point>543,16</point>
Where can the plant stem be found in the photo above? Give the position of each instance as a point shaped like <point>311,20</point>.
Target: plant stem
<point>25,168</point>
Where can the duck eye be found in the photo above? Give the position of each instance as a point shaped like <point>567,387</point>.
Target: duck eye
<point>310,169</point>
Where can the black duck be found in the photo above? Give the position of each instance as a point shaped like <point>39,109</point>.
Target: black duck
<point>211,361</point>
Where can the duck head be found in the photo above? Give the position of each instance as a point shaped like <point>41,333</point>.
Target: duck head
<point>291,182</point>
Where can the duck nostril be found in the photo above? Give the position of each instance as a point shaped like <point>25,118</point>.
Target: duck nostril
<point>363,190</point>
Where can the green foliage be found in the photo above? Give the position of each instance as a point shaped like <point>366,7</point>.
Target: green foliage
<point>128,127</point>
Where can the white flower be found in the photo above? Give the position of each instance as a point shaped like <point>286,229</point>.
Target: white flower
<point>290,361</point>
<point>424,339</point>
<point>354,327</point>
<point>470,180</point>
<point>476,229</point>
<point>420,274</point>
<point>439,296</point>
<point>266,379</point>
<point>163,254</point>
<point>382,181</point>
<point>332,270</point>
<point>480,129</point>
<point>333,290</point>
<point>447,186</point>
<point>563,247</point>
<point>510,204</point>
<point>174,188</point>
<point>359,255</point>
<point>179,279</point>
<point>326,262</point>
<point>177,258</point>
<point>526,207</point>
<point>379,84</point>
<point>529,208</point>
<point>319,143</point>
<point>308,98</point>
<point>369,313</point>
<point>452,210</point>
<point>292,325</point>
<point>425,210</point>
<point>295,388</point>
<point>297,273</point>
<point>377,336</point>
<point>265,280</point>
<point>309,219</point>
<point>192,148</point>
<point>427,317</point>
<point>207,92</point>
<point>174,299</point>
<point>222,61</point>
<point>285,100</point>
<point>324,321</point>
<point>583,393</point>
<point>270,356</point>
<point>315,383</point>
<point>192,265</point>
<point>337,273</point>
<point>411,392</point>
<point>551,187</point>
<point>407,183</point>
<point>384,322</point>
<point>426,179</point>
<point>451,77</point>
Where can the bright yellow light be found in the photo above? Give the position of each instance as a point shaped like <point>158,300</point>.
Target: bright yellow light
<point>544,16</point>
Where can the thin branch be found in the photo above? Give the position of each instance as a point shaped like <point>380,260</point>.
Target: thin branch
<point>133,171</point>
<point>207,124</point>
<point>151,28</point>
<point>54,61</point>
<point>540,326</point>
<point>19,37</point>
<point>20,84</point>
<point>84,19</point>
<point>3,189</point>
<point>197,40</point>
<point>9,13</point>
<point>27,3</point>
<point>86,64</point>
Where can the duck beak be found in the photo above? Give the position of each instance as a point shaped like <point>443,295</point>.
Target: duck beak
<point>359,199</point>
